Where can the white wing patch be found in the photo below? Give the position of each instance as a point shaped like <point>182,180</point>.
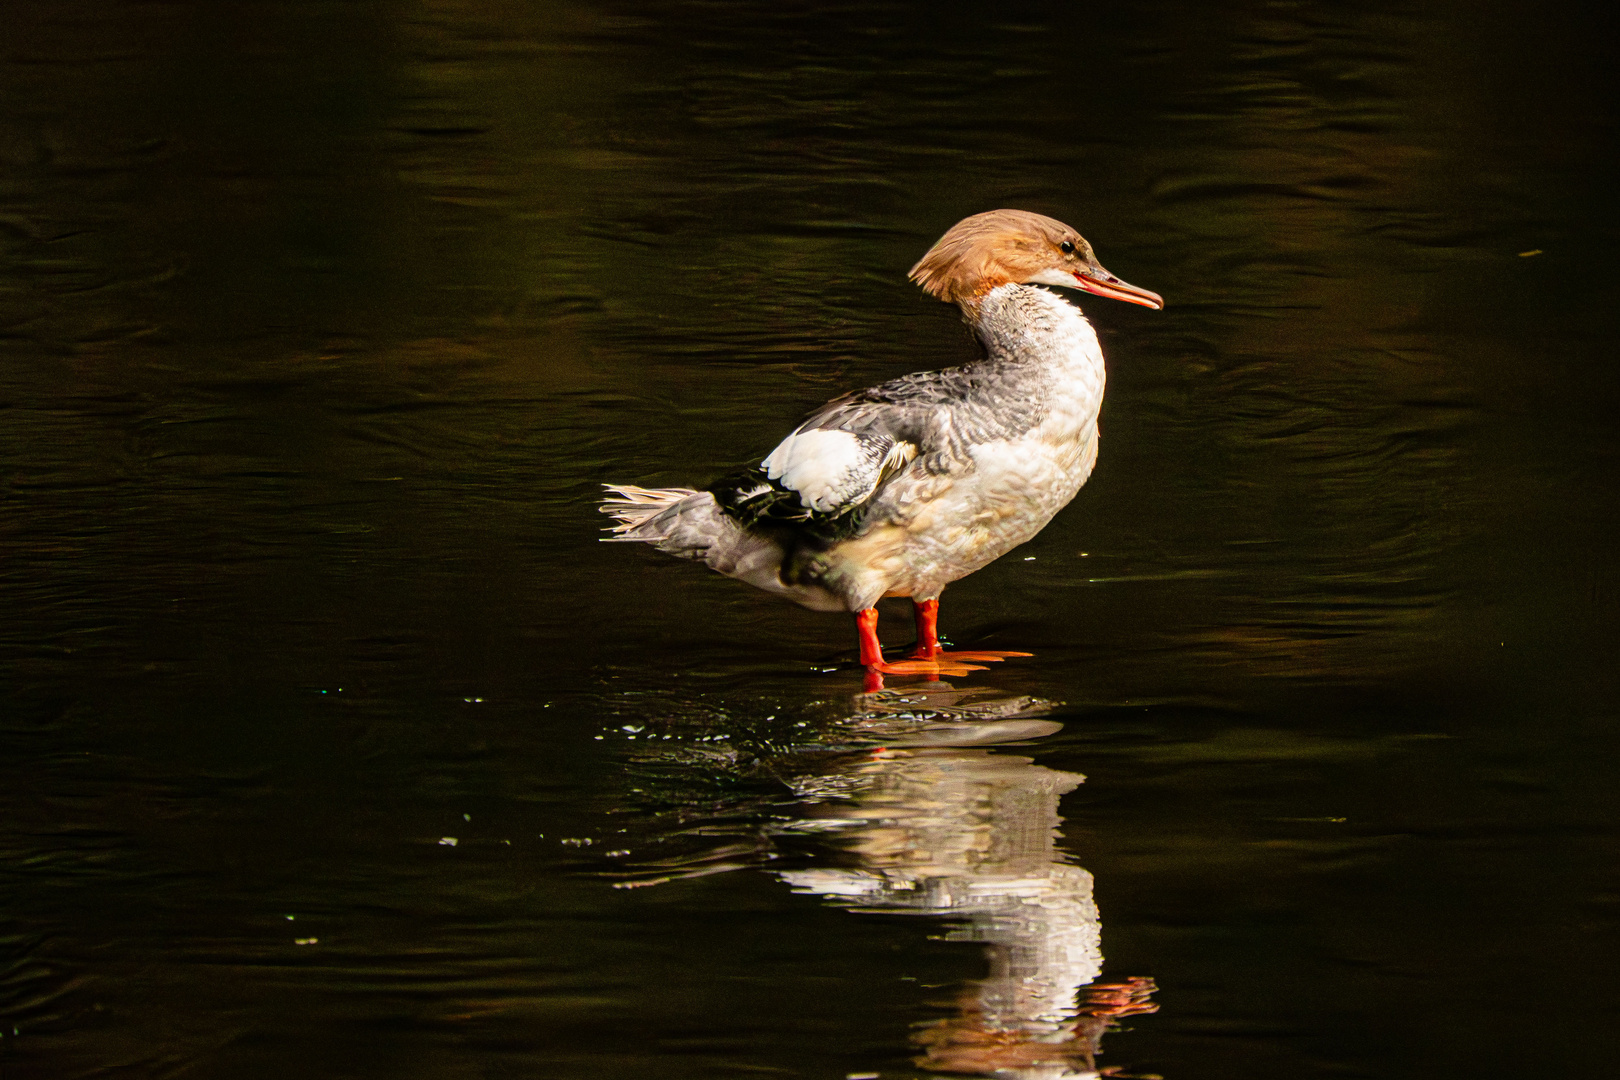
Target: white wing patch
<point>833,469</point>
<point>817,465</point>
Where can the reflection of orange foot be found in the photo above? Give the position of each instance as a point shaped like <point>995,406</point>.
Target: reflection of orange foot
<point>1128,998</point>
<point>930,669</point>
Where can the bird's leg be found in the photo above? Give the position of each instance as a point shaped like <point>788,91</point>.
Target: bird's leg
<point>871,647</point>
<point>872,655</point>
<point>927,613</point>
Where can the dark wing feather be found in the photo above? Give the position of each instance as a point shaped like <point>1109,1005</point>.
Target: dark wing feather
<point>942,413</point>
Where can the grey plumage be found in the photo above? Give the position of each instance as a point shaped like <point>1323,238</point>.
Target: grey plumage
<point>904,487</point>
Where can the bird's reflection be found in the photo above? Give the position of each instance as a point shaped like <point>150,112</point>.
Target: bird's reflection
<point>940,824</point>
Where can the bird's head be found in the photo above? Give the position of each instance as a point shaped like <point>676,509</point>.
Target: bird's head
<point>1002,246</point>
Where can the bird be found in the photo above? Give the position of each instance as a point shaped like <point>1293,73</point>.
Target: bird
<point>904,487</point>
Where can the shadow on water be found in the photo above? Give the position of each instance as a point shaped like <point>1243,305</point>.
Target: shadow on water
<point>903,806</point>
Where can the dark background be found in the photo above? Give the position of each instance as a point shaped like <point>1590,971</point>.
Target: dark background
<point>321,323</point>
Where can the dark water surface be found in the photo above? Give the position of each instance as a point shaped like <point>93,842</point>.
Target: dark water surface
<point>332,744</point>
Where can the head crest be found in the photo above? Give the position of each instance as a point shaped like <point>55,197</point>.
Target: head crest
<point>986,250</point>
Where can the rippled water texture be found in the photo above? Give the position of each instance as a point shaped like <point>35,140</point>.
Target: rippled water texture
<point>332,744</point>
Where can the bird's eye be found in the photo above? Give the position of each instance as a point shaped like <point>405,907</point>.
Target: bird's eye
<point>1067,247</point>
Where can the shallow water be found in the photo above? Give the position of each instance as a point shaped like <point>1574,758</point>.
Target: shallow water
<point>335,745</point>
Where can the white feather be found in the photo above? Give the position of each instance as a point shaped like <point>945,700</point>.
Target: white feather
<point>816,464</point>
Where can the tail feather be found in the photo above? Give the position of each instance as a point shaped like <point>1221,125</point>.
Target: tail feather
<point>635,506</point>
<point>691,525</point>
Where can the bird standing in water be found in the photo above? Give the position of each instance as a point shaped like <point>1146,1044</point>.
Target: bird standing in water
<point>902,488</point>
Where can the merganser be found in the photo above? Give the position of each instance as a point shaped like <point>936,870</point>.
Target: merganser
<point>905,487</point>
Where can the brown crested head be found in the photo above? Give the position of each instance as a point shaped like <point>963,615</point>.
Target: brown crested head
<point>988,250</point>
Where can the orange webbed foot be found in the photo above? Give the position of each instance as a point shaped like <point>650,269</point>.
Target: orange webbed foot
<point>942,664</point>
<point>927,658</point>
<point>928,647</point>
<point>983,656</point>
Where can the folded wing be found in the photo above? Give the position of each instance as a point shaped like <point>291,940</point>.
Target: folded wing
<point>834,463</point>
<point>835,470</point>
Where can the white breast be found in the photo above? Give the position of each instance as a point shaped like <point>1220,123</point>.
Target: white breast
<point>1009,488</point>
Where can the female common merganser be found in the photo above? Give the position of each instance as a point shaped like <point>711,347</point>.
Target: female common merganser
<point>903,488</point>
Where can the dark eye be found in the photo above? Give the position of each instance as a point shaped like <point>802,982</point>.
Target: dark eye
<point>1066,247</point>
